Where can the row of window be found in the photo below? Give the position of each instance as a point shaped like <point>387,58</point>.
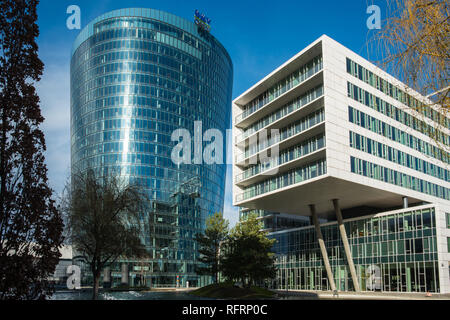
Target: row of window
<point>375,171</point>
<point>412,276</point>
<point>392,224</point>
<point>395,248</point>
<point>395,113</point>
<point>159,188</point>
<point>205,70</point>
<point>380,150</point>
<point>379,127</point>
<point>244,214</point>
<point>187,97</point>
<point>131,100</point>
<point>298,251</point>
<point>136,135</point>
<point>211,172</point>
<point>302,74</point>
<point>283,111</point>
<point>111,84</point>
<point>143,67</point>
<point>295,128</point>
<point>92,143</point>
<point>142,114</point>
<point>150,165</point>
<point>112,25</point>
<point>192,79</point>
<point>174,60</point>
<point>145,79</point>
<point>166,108</point>
<point>296,152</point>
<point>209,67</point>
<point>298,175</point>
<point>153,91</point>
<point>416,247</point>
<point>146,35</point>
<point>139,33</point>
<point>140,56</point>
<point>365,230</point>
<point>389,89</point>
<point>107,29</point>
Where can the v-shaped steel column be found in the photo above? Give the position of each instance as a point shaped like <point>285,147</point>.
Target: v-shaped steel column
<point>344,238</point>
<point>323,249</point>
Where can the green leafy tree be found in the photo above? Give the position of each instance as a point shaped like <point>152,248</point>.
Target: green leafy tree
<point>209,245</point>
<point>104,217</point>
<point>248,255</point>
<point>30,224</point>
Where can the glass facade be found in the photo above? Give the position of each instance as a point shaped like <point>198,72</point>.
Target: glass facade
<point>377,172</point>
<point>395,252</point>
<point>137,75</point>
<point>392,91</point>
<point>386,152</point>
<point>374,102</point>
<point>273,221</point>
<point>382,128</point>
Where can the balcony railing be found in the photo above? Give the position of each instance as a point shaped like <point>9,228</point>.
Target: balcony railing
<point>294,153</point>
<point>293,129</point>
<point>294,176</point>
<point>289,108</point>
<point>294,80</point>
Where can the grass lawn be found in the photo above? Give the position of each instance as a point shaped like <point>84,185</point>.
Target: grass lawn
<point>228,291</point>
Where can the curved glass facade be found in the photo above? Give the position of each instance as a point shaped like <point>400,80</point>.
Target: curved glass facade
<point>137,75</point>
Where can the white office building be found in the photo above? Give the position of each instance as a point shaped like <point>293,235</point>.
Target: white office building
<point>331,136</point>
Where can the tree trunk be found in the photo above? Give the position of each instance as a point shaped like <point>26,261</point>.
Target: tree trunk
<point>96,286</point>
<point>216,275</point>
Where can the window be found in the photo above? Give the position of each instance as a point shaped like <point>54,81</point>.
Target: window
<point>365,168</point>
<point>392,225</point>
<point>448,245</point>
<point>447,218</point>
<point>426,216</point>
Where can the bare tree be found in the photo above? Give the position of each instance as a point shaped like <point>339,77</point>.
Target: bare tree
<point>414,45</point>
<point>104,217</point>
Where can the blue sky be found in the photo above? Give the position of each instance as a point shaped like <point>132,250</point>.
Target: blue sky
<point>259,36</point>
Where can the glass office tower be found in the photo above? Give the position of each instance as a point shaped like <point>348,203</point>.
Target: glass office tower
<point>137,75</point>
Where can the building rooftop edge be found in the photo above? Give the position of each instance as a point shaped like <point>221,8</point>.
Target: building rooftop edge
<point>161,15</point>
<point>322,38</point>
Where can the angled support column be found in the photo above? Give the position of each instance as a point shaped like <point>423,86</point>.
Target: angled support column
<point>344,238</point>
<point>323,249</point>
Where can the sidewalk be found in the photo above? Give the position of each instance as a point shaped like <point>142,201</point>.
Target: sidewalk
<point>172,289</point>
<point>326,295</point>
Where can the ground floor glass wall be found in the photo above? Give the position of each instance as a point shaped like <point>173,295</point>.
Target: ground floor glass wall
<point>395,252</point>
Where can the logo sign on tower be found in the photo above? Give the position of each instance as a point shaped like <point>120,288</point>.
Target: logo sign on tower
<point>202,21</point>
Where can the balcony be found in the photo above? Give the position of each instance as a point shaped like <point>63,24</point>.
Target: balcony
<point>283,116</point>
<point>303,129</point>
<point>253,114</point>
<point>245,179</point>
<point>294,176</point>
